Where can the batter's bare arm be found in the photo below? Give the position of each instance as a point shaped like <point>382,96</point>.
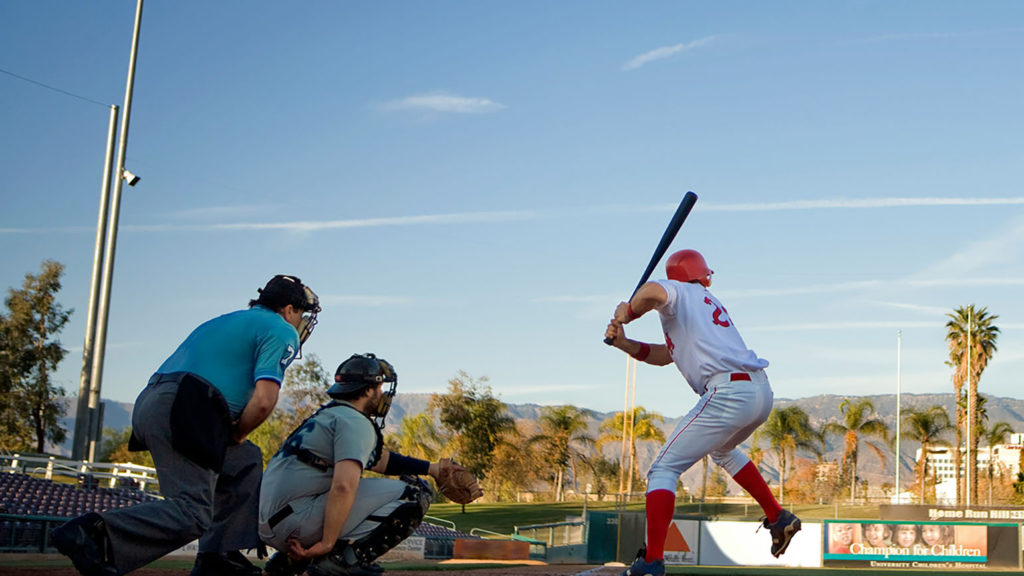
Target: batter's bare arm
<point>650,296</point>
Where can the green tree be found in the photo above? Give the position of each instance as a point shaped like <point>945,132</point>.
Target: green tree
<point>417,436</point>
<point>857,424</point>
<point>971,337</point>
<point>114,448</point>
<point>638,425</point>
<point>29,332</point>
<point>475,421</point>
<point>787,430</point>
<point>929,427</point>
<point>999,433</point>
<point>561,440</point>
<point>303,392</point>
<point>514,468</point>
<point>604,472</point>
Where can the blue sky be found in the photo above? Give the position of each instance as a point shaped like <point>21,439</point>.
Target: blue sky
<point>475,185</point>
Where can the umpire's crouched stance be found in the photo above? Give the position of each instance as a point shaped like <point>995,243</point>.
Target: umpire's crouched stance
<point>194,416</point>
<point>314,506</point>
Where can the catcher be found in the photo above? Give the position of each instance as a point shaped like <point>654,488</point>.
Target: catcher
<point>315,507</point>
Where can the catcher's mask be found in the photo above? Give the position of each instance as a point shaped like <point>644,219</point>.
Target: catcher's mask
<point>283,290</point>
<point>361,371</point>
<point>688,266</point>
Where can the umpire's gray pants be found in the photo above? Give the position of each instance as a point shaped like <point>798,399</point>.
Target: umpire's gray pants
<point>221,510</point>
<point>376,497</point>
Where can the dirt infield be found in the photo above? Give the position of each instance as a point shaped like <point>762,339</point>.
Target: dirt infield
<point>52,565</point>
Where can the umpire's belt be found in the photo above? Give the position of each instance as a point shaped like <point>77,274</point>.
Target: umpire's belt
<point>162,378</point>
<point>280,515</point>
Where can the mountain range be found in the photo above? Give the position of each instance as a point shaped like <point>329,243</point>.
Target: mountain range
<point>820,409</point>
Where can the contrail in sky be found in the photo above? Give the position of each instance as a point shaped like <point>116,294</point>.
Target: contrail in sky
<point>523,215</point>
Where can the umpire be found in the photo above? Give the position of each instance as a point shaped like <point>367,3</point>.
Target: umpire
<point>194,417</point>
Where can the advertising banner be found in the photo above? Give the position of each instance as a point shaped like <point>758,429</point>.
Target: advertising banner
<point>920,545</point>
<point>681,542</point>
<point>926,513</point>
<point>728,543</point>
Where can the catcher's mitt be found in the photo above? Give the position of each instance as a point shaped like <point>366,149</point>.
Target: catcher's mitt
<point>456,483</point>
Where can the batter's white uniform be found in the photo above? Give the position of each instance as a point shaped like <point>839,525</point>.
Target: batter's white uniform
<point>735,397</point>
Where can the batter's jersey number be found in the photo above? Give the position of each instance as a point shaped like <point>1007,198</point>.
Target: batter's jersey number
<point>717,315</point>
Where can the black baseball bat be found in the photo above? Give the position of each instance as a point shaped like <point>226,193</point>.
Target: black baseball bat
<point>666,239</point>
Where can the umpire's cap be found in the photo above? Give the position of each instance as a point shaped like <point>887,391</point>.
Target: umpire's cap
<point>283,290</point>
<point>361,371</point>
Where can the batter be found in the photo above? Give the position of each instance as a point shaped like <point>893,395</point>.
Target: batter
<point>735,398</point>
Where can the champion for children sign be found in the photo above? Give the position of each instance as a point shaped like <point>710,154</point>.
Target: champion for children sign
<point>920,545</point>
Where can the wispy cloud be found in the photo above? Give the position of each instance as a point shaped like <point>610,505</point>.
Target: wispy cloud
<point>665,52</point>
<point>873,284</point>
<point>837,203</point>
<point>912,36</point>
<point>442,102</point>
<point>927,310</point>
<point>809,326</point>
<point>222,212</point>
<point>320,225</point>
<point>1001,250</point>
<point>570,299</point>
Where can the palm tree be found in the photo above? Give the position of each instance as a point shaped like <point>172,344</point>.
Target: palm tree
<point>998,434</point>
<point>644,425</point>
<point>563,430</point>
<point>857,423</point>
<point>927,426</point>
<point>788,430</point>
<point>973,328</point>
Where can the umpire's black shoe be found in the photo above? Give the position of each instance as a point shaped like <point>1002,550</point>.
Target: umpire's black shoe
<point>84,540</point>
<point>281,565</point>
<point>224,564</point>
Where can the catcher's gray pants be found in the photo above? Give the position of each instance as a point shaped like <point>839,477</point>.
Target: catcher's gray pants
<point>220,509</point>
<point>376,497</point>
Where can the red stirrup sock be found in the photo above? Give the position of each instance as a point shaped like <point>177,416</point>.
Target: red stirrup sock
<point>661,505</point>
<point>751,480</point>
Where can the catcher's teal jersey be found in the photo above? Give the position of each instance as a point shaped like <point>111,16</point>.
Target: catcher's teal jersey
<point>336,433</point>
<point>235,350</point>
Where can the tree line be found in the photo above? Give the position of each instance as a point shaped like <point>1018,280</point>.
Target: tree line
<point>469,423</point>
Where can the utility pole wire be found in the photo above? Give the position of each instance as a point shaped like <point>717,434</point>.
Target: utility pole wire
<point>48,87</point>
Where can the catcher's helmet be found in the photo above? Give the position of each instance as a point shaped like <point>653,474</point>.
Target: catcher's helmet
<point>361,371</point>
<point>688,266</point>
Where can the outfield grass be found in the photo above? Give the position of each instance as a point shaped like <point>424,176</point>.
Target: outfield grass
<point>503,517</point>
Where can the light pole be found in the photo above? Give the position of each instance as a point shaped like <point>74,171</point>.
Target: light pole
<point>78,449</point>
<point>899,381</point>
<point>85,442</point>
<point>970,403</point>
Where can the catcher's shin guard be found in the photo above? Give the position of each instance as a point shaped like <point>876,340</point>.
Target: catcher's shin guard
<point>357,557</point>
<point>398,526</point>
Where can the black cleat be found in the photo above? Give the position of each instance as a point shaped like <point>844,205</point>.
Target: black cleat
<point>84,540</point>
<point>224,564</point>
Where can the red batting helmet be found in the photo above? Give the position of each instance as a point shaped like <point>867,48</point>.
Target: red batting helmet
<point>688,266</point>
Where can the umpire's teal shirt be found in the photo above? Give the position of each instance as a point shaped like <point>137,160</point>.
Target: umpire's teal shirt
<point>235,350</point>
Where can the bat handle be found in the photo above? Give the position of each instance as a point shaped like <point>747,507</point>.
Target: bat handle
<point>608,341</point>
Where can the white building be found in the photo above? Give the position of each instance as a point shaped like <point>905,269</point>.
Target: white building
<point>1005,459</point>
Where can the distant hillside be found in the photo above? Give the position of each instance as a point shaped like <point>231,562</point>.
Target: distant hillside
<point>820,409</point>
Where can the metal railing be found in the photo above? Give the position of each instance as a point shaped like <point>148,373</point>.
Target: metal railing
<point>558,533</point>
<point>50,466</point>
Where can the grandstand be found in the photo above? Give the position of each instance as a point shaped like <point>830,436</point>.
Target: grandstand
<point>32,502</point>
